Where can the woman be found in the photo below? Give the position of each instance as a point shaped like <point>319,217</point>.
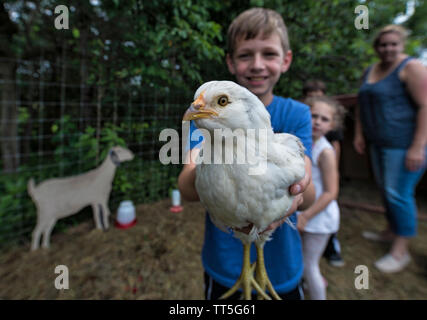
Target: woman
<point>393,118</point>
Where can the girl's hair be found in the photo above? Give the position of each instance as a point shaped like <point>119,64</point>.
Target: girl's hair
<point>339,113</point>
<point>399,30</point>
<point>252,22</point>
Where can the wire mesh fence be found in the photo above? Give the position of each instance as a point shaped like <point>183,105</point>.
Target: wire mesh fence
<point>54,125</point>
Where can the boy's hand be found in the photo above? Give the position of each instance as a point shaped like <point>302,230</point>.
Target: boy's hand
<point>297,190</point>
<point>298,199</point>
<point>301,185</point>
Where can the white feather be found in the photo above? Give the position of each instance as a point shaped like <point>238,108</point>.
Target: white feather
<point>233,197</point>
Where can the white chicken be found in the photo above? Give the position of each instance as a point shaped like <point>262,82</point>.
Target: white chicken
<point>233,196</point>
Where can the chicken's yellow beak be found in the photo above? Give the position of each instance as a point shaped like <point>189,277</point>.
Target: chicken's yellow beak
<point>198,110</point>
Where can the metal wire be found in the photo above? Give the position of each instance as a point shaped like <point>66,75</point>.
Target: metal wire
<point>61,132</point>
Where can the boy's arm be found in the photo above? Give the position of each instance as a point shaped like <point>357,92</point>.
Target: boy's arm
<point>187,177</point>
<point>304,186</point>
<point>309,193</point>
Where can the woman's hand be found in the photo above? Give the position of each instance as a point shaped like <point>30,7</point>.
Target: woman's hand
<point>415,157</point>
<point>359,140</point>
<point>359,143</point>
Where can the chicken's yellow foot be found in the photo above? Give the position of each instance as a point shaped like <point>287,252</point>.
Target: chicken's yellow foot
<point>246,280</point>
<point>261,275</point>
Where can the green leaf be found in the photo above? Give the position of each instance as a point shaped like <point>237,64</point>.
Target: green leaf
<point>76,33</point>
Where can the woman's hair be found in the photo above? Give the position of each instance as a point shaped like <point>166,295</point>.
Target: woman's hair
<point>399,30</point>
<point>252,22</point>
<point>339,113</point>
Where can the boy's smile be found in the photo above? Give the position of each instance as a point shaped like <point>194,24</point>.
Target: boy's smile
<point>258,63</point>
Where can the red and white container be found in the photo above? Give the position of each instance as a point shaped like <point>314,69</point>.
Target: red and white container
<point>176,201</point>
<point>125,215</point>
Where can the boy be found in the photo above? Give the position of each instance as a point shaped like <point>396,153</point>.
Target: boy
<point>314,88</point>
<point>258,53</point>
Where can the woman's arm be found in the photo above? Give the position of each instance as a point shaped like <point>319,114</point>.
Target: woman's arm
<point>359,140</point>
<point>328,168</point>
<point>415,77</point>
<point>359,143</point>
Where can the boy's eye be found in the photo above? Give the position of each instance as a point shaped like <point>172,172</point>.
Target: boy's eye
<point>223,101</point>
<point>243,56</point>
<point>393,44</point>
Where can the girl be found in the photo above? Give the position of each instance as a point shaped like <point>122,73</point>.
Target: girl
<point>319,221</point>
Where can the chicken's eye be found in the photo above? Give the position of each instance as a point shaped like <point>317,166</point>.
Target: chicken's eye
<point>223,101</point>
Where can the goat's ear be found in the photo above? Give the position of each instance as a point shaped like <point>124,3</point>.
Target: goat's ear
<point>114,156</point>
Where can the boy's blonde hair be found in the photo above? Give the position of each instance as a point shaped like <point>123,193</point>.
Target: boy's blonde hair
<point>339,113</point>
<point>250,23</point>
<point>399,30</point>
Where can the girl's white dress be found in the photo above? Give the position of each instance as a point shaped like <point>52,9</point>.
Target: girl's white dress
<point>328,220</point>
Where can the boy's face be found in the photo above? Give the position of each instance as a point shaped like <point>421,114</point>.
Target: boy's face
<point>258,63</point>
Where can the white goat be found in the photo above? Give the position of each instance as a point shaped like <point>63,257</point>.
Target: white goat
<point>61,197</point>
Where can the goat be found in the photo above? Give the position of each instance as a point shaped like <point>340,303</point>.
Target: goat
<point>62,197</point>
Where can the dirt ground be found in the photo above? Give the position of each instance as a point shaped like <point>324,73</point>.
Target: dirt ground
<point>159,258</point>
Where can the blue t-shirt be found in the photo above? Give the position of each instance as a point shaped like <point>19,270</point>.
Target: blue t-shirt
<point>222,253</point>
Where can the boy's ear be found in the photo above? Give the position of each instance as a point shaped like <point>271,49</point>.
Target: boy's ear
<point>230,64</point>
<point>287,60</point>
